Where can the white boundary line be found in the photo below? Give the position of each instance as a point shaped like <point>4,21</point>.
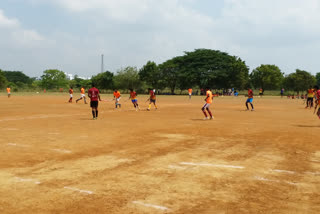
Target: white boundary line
<point>18,145</point>
<point>79,190</point>
<point>62,151</point>
<point>27,180</point>
<point>151,205</point>
<point>282,171</point>
<point>212,165</point>
<point>276,181</point>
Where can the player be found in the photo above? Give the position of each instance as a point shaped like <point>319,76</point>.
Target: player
<point>310,97</point>
<point>94,96</point>
<point>9,91</point>
<point>117,97</point>
<point>282,92</point>
<point>190,93</point>
<point>207,105</point>
<point>260,92</point>
<point>317,103</point>
<point>83,95</point>
<point>133,97</point>
<point>250,99</point>
<point>152,99</point>
<point>71,94</point>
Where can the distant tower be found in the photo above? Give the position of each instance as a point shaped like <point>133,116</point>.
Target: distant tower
<point>102,65</point>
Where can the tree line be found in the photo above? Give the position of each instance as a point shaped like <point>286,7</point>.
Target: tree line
<point>197,69</point>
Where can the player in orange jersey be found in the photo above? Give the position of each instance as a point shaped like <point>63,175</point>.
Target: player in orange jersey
<point>83,95</point>
<point>152,99</point>
<point>9,91</point>
<point>206,106</point>
<point>310,97</point>
<point>71,94</point>
<point>190,93</point>
<point>117,97</point>
<point>133,97</point>
<point>250,99</point>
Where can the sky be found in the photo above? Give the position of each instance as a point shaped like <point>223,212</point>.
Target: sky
<point>71,35</point>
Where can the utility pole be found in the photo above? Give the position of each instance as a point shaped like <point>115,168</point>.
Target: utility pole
<point>102,65</point>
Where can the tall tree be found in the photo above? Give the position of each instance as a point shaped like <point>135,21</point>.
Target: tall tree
<point>152,75</point>
<point>318,78</point>
<point>268,77</point>
<point>53,79</point>
<point>127,78</point>
<point>103,80</point>
<point>171,71</point>
<point>299,81</point>
<point>17,76</point>
<point>3,80</point>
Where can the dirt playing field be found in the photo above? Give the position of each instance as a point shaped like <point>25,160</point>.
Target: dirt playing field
<point>55,159</point>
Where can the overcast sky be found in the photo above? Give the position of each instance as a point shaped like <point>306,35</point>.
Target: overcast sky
<point>71,35</point>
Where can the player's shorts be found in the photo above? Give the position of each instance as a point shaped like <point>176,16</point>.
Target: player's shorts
<point>152,101</point>
<point>207,105</point>
<point>249,100</point>
<point>71,95</point>
<point>83,95</point>
<point>9,93</point>
<point>118,99</point>
<point>134,101</point>
<point>94,104</point>
<point>310,99</point>
<point>190,94</point>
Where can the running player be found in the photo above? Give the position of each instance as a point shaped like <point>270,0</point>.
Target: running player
<point>260,92</point>
<point>310,97</point>
<point>83,95</point>
<point>250,99</point>
<point>317,103</point>
<point>282,92</point>
<point>152,99</point>
<point>133,97</point>
<point>117,97</point>
<point>207,105</point>
<point>71,94</point>
<point>94,96</point>
<point>9,91</point>
<point>190,93</point>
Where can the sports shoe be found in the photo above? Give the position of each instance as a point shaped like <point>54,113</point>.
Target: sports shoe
<point>148,109</point>
<point>252,109</point>
<point>206,118</point>
<point>211,118</point>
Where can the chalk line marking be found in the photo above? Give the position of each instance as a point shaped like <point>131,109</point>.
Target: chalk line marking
<point>313,173</point>
<point>39,117</point>
<point>269,180</point>
<point>17,145</point>
<point>27,180</point>
<point>61,150</point>
<point>79,190</point>
<point>152,206</point>
<point>11,129</point>
<point>212,165</point>
<point>54,133</point>
<point>176,167</point>
<point>282,171</point>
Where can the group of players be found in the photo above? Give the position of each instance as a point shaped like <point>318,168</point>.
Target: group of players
<point>94,95</point>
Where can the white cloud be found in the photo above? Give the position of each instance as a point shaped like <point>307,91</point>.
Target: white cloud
<point>7,22</point>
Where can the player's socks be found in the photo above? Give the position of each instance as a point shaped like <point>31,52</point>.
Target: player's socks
<point>93,114</point>
<point>156,106</point>
<point>96,113</point>
<point>251,105</point>
<point>149,106</point>
<point>205,113</point>
<point>247,106</point>
<point>210,113</point>
<point>119,105</point>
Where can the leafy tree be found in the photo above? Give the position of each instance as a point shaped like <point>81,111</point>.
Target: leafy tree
<point>171,72</point>
<point>128,78</point>
<point>299,81</point>
<point>17,76</point>
<point>318,78</point>
<point>152,75</point>
<point>3,80</point>
<point>54,79</point>
<point>103,80</point>
<point>268,77</point>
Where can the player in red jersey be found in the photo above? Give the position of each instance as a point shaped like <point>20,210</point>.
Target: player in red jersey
<point>152,99</point>
<point>250,99</point>
<point>94,95</point>
<point>317,95</point>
